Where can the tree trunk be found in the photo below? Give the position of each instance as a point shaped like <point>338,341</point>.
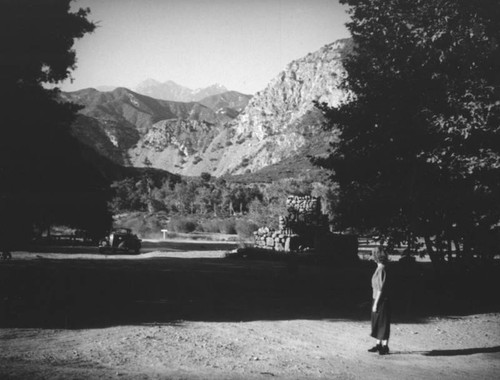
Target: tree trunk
<point>450,253</point>
<point>458,252</point>
<point>151,209</point>
<point>467,251</point>
<point>435,257</point>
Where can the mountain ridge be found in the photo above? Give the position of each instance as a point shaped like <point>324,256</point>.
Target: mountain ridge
<point>223,134</point>
<point>172,91</point>
<point>121,123</point>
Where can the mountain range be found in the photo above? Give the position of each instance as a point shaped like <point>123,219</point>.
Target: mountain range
<point>170,90</point>
<point>221,132</point>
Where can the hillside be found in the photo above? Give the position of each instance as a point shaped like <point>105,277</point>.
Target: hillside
<point>230,103</point>
<point>116,123</point>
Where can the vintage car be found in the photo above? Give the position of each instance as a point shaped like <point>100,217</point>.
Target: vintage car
<point>120,240</point>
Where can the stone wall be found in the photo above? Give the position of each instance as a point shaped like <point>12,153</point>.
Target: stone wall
<point>304,213</point>
<point>278,240</point>
<point>303,205</point>
<point>297,229</point>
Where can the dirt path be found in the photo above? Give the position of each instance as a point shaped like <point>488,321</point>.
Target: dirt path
<point>275,341</point>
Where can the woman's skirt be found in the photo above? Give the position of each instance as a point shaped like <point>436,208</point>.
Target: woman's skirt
<point>381,321</point>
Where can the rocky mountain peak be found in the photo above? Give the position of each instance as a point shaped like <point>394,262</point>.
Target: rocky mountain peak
<point>291,93</point>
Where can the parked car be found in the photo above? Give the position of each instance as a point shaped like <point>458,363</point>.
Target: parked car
<point>120,240</point>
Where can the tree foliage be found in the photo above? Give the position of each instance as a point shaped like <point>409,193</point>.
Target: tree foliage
<point>196,195</point>
<point>419,148</point>
<point>43,177</point>
<point>213,198</point>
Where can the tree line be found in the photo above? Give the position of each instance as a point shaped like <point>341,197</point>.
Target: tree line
<point>208,196</point>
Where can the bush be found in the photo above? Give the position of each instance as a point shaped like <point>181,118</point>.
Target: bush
<point>181,224</point>
<point>223,226</point>
<point>245,228</point>
<point>230,226</point>
<point>227,226</point>
<point>211,225</point>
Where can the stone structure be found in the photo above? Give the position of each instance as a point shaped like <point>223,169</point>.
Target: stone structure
<point>298,229</point>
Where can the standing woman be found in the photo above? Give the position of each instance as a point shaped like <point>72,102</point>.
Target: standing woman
<point>381,311</point>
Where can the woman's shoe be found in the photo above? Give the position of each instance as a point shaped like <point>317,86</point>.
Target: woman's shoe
<point>375,348</point>
<point>384,350</point>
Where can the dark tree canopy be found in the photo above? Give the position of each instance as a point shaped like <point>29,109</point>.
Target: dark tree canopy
<point>43,177</point>
<point>419,148</point>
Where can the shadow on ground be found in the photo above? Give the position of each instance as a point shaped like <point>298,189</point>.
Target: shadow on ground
<point>84,293</point>
<point>463,351</point>
<point>147,246</point>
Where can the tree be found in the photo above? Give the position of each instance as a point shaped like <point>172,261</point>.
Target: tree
<point>203,199</point>
<point>42,172</point>
<point>241,196</point>
<point>129,194</point>
<point>418,154</point>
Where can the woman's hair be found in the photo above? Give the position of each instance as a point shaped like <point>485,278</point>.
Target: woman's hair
<point>380,256</point>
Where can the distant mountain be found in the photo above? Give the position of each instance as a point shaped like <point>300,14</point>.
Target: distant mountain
<point>105,88</point>
<point>269,134</point>
<point>114,122</point>
<point>172,91</point>
<point>132,129</point>
<point>137,111</point>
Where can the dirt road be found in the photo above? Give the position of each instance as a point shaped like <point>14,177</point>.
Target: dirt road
<point>174,314</point>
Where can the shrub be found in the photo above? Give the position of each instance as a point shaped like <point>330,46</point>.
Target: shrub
<point>223,226</point>
<point>210,226</point>
<point>227,226</point>
<point>245,228</point>
<point>181,224</point>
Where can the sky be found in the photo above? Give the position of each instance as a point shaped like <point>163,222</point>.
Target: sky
<point>241,44</point>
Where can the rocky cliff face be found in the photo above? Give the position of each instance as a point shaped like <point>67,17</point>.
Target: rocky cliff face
<point>281,120</point>
<point>176,145</point>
